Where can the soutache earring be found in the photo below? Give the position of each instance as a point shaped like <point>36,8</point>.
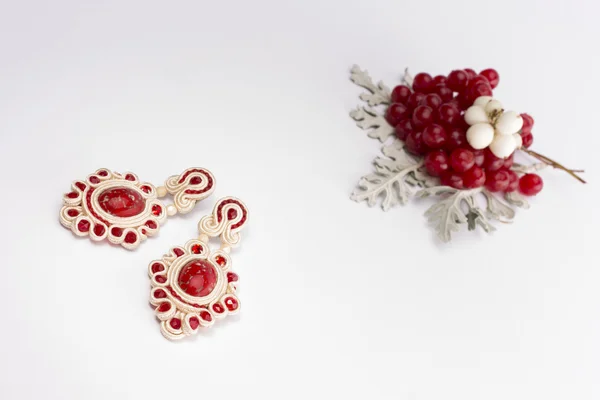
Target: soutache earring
<point>192,286</point>
<point>124,210</point>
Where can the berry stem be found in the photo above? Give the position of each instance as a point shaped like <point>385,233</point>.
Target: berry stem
<point>554,164</point>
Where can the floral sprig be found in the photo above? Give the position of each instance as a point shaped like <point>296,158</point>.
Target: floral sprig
<point>448,137</point>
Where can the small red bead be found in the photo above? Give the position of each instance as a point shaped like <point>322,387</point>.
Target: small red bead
<point>72,195</point>
<point>456,137</point>
<point>497,181</point>
<point>403,129</point>
<point>218,308</point>
<point>163,307</point>
<point>83,226</point>
<point>436,163</point>
<point>146,189</point>
<point>527,140</point>
<point>457,80</point>
<point>444,92</point>
<point>160,294</point>
<point>94,179</point>
<point>130,238</point>
<point>231,304</point>
<point>434,136</point>
<point>232,214</point>
<point>232,277</point>
<point>508,162</point>
<point>527,123</point>
<point>462,160</point>
<point>151,224</point>
<point>157,267</point>
<point>474,178</point>
<point>156,210</point>
<point>80,185</point>
<point>439,80</point>
<point>116,232</point>
<point>414,143</point>
<point>194,323</point>
<point>130,177</point>
<point>99,230</point>
<point>396,112</point>
<point>448,115</point>
<point>492,76</point>
<point>103,173</point>
<point>422,83</point>
<point>530,184</point>
<point>492,163</point>
<point>72,212</point>
<point>415,100</point>
<point>197,249</point>
<point>453,179</point>
<point>470,73</point>
<point>400,94</point>
<point>160,279</point>
<point>422,116</point>
<point>479,156</point>
<point>205,315</point>
<point>513,183</point>
<point>432,100</point>
<point>196,180</point>
<point>175,323</point>
<point>220,260</point>
<point>178,252</point>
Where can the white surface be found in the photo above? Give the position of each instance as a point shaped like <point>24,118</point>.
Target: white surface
<point>338,300</point>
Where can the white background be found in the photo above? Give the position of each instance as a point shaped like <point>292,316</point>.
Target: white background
<point>339,300</point>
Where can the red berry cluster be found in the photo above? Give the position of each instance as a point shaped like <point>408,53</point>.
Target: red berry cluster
<point>429,118</point>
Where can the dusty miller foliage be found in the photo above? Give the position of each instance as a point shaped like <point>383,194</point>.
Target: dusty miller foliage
<point>399,175</point>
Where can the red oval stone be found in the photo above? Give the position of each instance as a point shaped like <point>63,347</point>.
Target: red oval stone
<point>205,315</point>
<point>218,308</point>
<point>122,202</point>
<point>175,323</point>
<point>194,323</point>
<point>197,278</point>
<point>160,294</point>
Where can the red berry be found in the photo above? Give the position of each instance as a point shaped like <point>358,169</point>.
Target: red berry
<point>474,178</point>
<point>479,156</point>
<point>527,139</point>
<point>414,100</point>
<point>448,115</point>
<point>444,92</point>
<point>453,179</point>
<point>527,123</point>
<point>403,128</point>
<point>414,142</point>
<point>440,80</point>
<point>492,163</point>
<point>457,80</point>
<point>497,181</point>
<point>456,137</point>
<point>478,90</point>
<point>462,160</point>
<point>400,94</point>
<point>470,73</point>
<point>513,184</point>
<point>492,76</point>
<point>477,80</point>
<point>464,101</point>
<point>423,83</point>
<point>530,184</point>
<point>436,162</point>
<point>396,112</point>
<point>432,100</point>
<point>434,136</point>
<point>422,116</point>
<point>508,162</point>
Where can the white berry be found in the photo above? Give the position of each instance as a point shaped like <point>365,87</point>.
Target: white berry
<point>482,101</point>
<point>493,105</point>
<point>508,123</point>
<point>503,145</point>
<point>518,140</point>
<point>480,136</point>
<point>476,115</point>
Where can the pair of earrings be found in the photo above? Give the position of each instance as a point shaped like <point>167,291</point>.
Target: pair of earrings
<point>191,285</point>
